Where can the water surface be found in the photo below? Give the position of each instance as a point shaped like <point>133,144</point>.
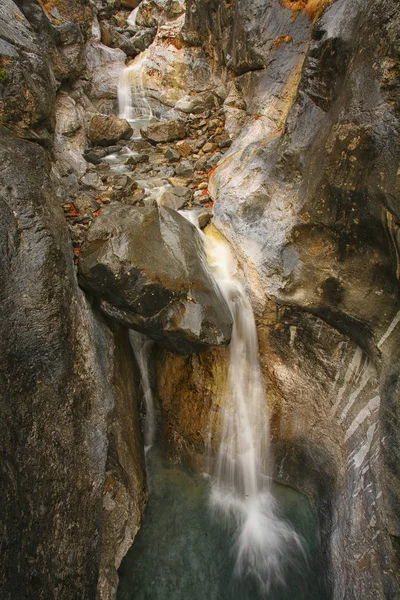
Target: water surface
<point>182,552</point>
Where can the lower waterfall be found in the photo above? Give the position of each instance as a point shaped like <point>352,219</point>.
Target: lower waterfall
<point>241,471</point>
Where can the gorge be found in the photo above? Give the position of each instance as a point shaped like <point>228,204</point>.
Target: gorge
<point>199,276</point>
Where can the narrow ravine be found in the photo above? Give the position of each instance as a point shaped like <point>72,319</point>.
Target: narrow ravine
<point>262,539</point>
<point>199,286</point>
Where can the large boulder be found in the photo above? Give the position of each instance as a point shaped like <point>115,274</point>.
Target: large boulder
<point>148,268</point>
<point>104,66</point>
<point>106,130</point>
<point>166,131</point>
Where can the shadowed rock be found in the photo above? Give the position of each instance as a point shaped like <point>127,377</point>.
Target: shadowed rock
<point>148,269</point>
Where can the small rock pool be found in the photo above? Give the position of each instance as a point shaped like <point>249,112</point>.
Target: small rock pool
<point>182,552</point>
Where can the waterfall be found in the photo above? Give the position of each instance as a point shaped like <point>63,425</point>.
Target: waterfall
<point>141,345</point>
<point>241,467</point>
<point>131,20</point>
<point>132,100</point>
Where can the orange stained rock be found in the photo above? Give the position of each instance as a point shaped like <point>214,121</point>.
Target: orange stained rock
<point>211,171</point>
<point>282,39</point>
<point>70,209</point>
<point>313,8</point>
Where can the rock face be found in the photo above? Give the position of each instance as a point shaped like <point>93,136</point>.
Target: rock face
<point>125,492</point>
<point>307,197</point>
<point>106,130</point>
<point>148,268</point>
<point>59,381</point>
<point>25,101</point>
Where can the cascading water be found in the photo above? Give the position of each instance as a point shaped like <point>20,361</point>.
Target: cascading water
<point>131,20</point>
<point>241,470</point>
<point>141,346</point>
<point>132,99</point>
<point>182,550</point>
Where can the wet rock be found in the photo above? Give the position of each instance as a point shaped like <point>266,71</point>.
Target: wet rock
<point>302,182</point>
<point>124,492</point>
<point>94,156</point>
<point>137,159</point>
<point>105,130</point>
<point>104,66</point>
<point>148,269</point>
<point>51,340</point>
<point>112,150</point>
<point>204,218</point>
<point>165,131</point>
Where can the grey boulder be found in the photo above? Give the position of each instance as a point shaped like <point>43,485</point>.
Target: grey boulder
<point>176,198</point>
<point>148,268</point>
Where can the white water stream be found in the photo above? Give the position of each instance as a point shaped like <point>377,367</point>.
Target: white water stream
<point>241,470</point>
<point>132,99</point>
<point>131,20</point>
<point>141,345</point>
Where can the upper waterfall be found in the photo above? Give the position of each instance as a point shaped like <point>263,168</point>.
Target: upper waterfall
<point>132,100</point>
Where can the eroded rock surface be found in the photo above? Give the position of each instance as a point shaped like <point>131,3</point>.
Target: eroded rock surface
<point>147,267</point>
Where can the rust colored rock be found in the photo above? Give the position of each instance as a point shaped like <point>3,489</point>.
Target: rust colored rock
<point>184,148</point>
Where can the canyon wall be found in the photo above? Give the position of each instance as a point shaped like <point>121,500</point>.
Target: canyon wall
<point>298,109</point>
<point>308,197</point>
<point>72,464</point>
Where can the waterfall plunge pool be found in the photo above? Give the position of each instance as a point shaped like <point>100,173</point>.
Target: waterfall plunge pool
<point>183,552</point>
